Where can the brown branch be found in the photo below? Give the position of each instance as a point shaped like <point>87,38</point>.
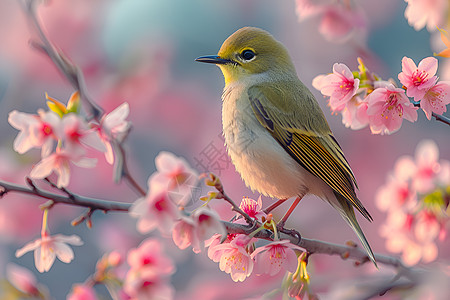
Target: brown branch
<point>74,199</point>
<point>310,245</point>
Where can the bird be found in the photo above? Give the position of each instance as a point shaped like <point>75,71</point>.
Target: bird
<point>275,132</point>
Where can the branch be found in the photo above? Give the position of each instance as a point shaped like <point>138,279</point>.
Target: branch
<point>310,245</point>
<point>72,199</point>
<point>315,246</point>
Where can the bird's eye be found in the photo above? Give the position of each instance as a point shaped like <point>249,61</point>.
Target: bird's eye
<point>248,54</point>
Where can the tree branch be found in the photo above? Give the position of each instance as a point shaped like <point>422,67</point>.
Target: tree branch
<point>310,245</point>
<point>72,199</point>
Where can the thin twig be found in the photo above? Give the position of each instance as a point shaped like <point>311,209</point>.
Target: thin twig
<point>76,200</point>
<point>310,245</point>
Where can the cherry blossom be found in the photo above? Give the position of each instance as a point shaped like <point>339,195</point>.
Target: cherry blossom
<point>309,8</point>
<point>354,115</point>
<point>252,208</point>
<point>340,86</point>
<point>421,13</point>
<point>340,21</point>
<point>436,99</point>
<point>388,106</point>
<point>183,233</point>
<point>22,279</point>
<point>59,163</point>
<point>114,125</point>
<point>82,292</point>
<point>418,79</point>
<point>149,269</point>
<point>155,210</point>
<point>275,256</point>
<point>414,199</point>
<point>150,256</point>
<point>175,174</point>
<point>48,247</point>
<point>194,230</point>
<point>234,258</point>
<point>77,133</point>
<point>36,131</point>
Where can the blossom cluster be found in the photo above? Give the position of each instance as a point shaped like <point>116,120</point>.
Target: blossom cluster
<point>63,135</point>
<point>236,254</point>
<point>339,20</point>
<point>426,13</point>
<point>364,99</point>
<point>416,199</point>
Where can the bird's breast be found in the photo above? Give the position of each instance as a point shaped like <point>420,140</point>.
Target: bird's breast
<point>260,160</point>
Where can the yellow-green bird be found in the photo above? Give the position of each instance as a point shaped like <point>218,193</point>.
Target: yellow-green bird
<point>275,132</point>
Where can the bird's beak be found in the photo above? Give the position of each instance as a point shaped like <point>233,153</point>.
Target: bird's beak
<point>213,59</point>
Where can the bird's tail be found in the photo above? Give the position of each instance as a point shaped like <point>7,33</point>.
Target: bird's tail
<point>348,214</point>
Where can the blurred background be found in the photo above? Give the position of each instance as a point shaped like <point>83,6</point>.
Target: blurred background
<point>142,52</point>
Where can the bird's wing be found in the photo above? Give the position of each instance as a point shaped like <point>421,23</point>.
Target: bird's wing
<point>303,132</point>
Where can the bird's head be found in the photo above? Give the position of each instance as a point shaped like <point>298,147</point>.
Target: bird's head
<point>251,51</point>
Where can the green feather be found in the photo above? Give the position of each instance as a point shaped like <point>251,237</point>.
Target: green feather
<point>301,129</point>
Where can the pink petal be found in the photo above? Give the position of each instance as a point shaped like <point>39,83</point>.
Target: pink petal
<point>44,168</point>
<point>166,162</point>
<point>427,153</point>
<point>115,120</point>
<point>44,258</point>
<point>63,252</point>
<point>408,66</point>
<point>429,65</point>
<point>72,239</point>
<point>412,254</point>
<point>430,253</point>
<point>28,247</point>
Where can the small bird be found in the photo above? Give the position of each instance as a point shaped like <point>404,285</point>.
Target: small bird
<point>275,132</point>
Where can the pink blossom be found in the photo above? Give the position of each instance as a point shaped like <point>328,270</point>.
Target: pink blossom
<point>36,131</point>
<point>354,115</point>
<point>48,247</point>
<point>427,166</point>
<point>418,79</point>
<point>194,231</point>
<point>421,13</point>
<point>59,163</point>
<point>340,21</point>
<point>76,133</point>
<point>114,125</point>
<point>150,256</point>
<point>413,251</point>
<point>252,208</point>
<point>175,174</point>
<point>22,279</point>
<point>155,210</point>
<point>183,233</point>
<point>142,286</point>
<point>395,193</point>
<point>82,292</point>
<point>234,258</point>
<point>340,86</point>
<point>388,106</point>
<point>275,256</point>
<point>436,99</point>
<point>309,8</point>
<point>150,267</point>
